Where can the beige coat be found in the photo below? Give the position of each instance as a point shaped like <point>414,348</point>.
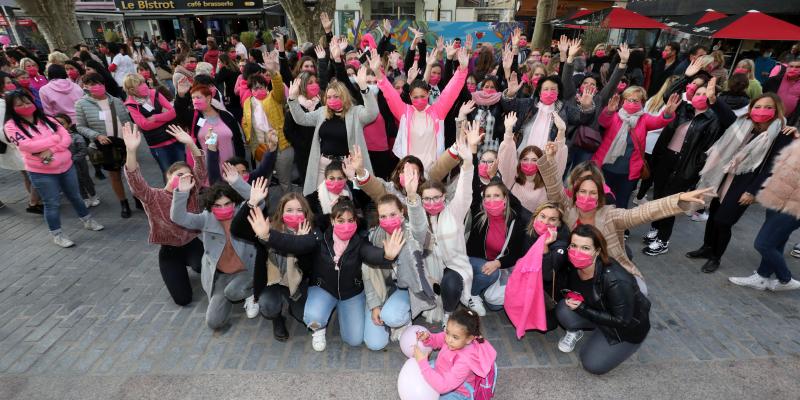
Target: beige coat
<point>781,191</point>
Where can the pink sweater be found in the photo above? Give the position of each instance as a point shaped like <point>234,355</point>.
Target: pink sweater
<point>612,122</point>
<point>32,141</point>
<point>456,367</point>
<point>60,96</point>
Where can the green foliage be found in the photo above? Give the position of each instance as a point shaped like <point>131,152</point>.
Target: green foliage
<point>248,38</point>
<point>111,36</point>
<point>594,35</point>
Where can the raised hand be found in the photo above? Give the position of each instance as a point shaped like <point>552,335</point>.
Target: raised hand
<point>624,53</point>
<point>411,175</point>
<point>508,57</point>
<point>387,27</point>
<point>320,52</point>
<point>694,67</point>
<point>294,89</point>
<point>327,24</point>
<point>304,228</point>
<point>394,57</point>
<point>439,44</point>
<point>186,183</point>
<point>470,128</point>
<point>509,121</point>
<point>574,47</point>
<point>466,109</point>
<point>513,85</point>
<point>463,58</point>
<point>450,50</point>
<point>587,98</point>
<point>474,138</point>
<point>711,90</point>
<point>393,245</point>
<point>259,224</point>
<point>672,104</point>
<point>515,36</point>
<point>361,77</point>
<point>550,149</point>
<point>433,56</point>
<point>131,136</point>
<point>563,45</point>
<point>357,160</point>
<point>558,122</point>
<point>335,50</point>
<point>179,134</point>
<point>697,196</point>
<point>413,72</point>
<point>258,191</point>
<point>375,63</point>
<point>279,45</point>
<point>613,103</point>
<point>468,44</point>
<point>229,173</point>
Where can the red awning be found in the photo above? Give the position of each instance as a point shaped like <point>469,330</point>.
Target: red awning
<point>710,15</point>
<point>752,25</point>
<point>616,18</point>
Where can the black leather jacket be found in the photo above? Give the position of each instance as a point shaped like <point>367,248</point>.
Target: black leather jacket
<point>624,313</point>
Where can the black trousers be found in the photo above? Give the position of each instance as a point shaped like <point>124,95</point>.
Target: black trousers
<point>172,262</point>
<point>645,184</point>
<point>451,287</point>
<point>720,230</point>
<point>664,184</point>
<point>273,297</point>
<point>383,162</point>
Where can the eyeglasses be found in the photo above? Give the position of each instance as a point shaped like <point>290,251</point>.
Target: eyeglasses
<point>432,199</point>
<point>632,101</point>
<point>487,162</point>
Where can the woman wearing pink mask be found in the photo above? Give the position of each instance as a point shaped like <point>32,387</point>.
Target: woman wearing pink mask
<point>330,190</point>
<point>748,67</point>
<point>228,262</point>
<point>597,58</point>
<point>301,136</point>
<point>182,81</point>
<point>786,84</point>
<point>100,118</point>
<point>31,69</point>
<point>520,173</point>
<point>621,153</point>
<point>24,82</point>
<point>335,257</point>
<point>278,277</point>
<point>604,297</point>
<point>587,205</point>
<point>152,113</point>
<point>487,108</point>
<point>60,94</point>
<point>208,119</point>
<point>736,168</point>
<point>395,296</point>
<point>421,128</point>
<point>178,247</point>
<point>152,81</point>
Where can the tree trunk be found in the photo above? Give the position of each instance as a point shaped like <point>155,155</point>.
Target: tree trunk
<point>56,19</point>
<point>305,21</point>
<point>542,31</point>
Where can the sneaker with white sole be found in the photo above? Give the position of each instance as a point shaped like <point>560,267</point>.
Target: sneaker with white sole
<point>568,342</point>
<point>699,217</point>
<point>656,247</point>
<point>251,307</point>
<point>650,236</point>
<point>796,251</point>
<point>445,318</point>
<point>397,332</point>
<point>639,201</point>
<point>476,304</point>
<point>93,201</point>
<point>92,225</point>
<point>776,285</point>
<point>754,281</point>
<point>62,240</point>
<point>318,341</point>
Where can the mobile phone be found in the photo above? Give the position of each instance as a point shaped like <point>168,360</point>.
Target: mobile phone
<point>572,295</point>
<point>211,139</point>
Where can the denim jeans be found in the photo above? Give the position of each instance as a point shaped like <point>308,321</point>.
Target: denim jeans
<point>481,281</point>
<point>455,395</point>
<point>228,289</point>
<point>50,187</point>
<point>168,155</point>
<point>771,241</point>
<point>621,186</point>
<point>396,312</point>
<point>319,306</point>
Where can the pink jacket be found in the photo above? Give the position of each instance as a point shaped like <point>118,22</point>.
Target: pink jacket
<point>455,367</point>
<point>612,122</point>
<point>30,142</point>
<point>60,96</point>
<point>38,81</point>
<point>155,121</point>
<point>438,110</point>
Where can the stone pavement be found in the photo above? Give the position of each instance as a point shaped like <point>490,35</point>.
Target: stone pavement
<point>95,321</point>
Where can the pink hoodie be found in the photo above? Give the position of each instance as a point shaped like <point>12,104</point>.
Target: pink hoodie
<point>456,367</point>
<point>32,142</point>
<point>60,96</point>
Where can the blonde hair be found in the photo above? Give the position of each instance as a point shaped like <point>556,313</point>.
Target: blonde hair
<point>705,60</point>
<point>635,90</point>
<point>131,83</point>
<point>343,93</point>
<point>203,68</point>
<point>26,60</point>
<point>547,205</point>
<point>598,46</point>
<point>657,100</point>
<point>751,67</point>
<point>719,58</point>
<point>57,57</point>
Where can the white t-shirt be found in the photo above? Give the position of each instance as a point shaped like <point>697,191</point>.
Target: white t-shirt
<point>125,66</point>
<point>241,51</point>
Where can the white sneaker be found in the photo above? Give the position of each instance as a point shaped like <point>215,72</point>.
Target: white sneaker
<point>476,304</point>
<point>641,201</point>
<point>92,225</point>
<point>93,201</point>
<point>796,251</point>
<point>656,247</point>
<point>568,342</point>
<point>62,240</point>
<point>318,340</point>
<point>87,203</point>
<point>251,308</point>
<point>651,235</point>
<point>776,285</point>
<point>697,217</point>
<point>754,281</point>
<point>397,332</point>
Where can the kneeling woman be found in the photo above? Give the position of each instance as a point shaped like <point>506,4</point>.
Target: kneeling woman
<point>605,297</point>
<point>227,265</point>
<point>336,257</point>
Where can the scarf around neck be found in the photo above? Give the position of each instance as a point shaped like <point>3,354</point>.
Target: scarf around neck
<point>620,143</point>
<point>482,98</point>
<point>328,199</point>
<point>308,104</point>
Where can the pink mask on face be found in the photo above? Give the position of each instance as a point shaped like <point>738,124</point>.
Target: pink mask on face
<point>312,90</point>
<point>335,186</point>
<point>600,53</point>
<point>621,87</point>
<point>585,203</point>
<point>97,90</point>
<point>32,71</point>
<point>26,110</point>
<point>223,213</point>
<point>700,102</point>
<point>665,54</point>
<point>495,208</point>
<point>490,90</point>
<point>293,221</point>
<point>200,104</point>
<point>345,231</point>
<point>483,170</point>
<point>334,104</point>
<point>24,82</point>
<point>529,168</point>
<point>545,60</point>
<point>471,87</point>
<point>246,177</point>
<point>632,108</point>
<point>690,89</point>
<point>391,224</point>
<point>146,74</point>
<point>579,260</point>
<point>420,103</point>
<point>741,71</point>
<point>762,114</point>
<point>434,208</point>
<point>523,43</point>
<point>73,74</point>
<point>260,94</point>
<point>191,66</point>
<point>793,72</point>
<point>541,228</point>
<point>434,80</point>
<point>143,90</point>
<point>548,97</point>
<point>173,183</point>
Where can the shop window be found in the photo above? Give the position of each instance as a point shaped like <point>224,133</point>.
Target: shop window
<point>391,9</point>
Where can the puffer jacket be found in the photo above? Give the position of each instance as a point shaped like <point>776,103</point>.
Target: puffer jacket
<point>781,191</point>
<point>87,117</point>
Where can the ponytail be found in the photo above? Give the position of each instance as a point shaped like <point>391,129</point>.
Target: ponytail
<point>470,321</point>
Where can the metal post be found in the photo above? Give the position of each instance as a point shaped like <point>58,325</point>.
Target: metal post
<point>11,25</point>
<point>735,56</point>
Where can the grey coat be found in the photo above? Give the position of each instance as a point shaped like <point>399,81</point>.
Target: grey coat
<point>355,119</point>
<point>87,116</point>
<point>213,235</point>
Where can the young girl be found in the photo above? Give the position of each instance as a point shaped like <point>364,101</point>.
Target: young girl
<point>465,358</point>
<point>330,190</point>
<point>78,148</point>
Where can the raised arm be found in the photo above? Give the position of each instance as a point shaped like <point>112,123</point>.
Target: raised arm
<point>453,88</point>
<point>460,203</point>
<point>178,213</point>
<point>300,116</point>
<point>552,179</point>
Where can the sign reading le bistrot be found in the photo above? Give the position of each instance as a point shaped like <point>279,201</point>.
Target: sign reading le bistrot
<point>162,5</point>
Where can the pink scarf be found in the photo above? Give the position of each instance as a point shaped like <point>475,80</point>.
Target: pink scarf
<point>524,300</point>
<point>481,98</point>
<point>339,246</point>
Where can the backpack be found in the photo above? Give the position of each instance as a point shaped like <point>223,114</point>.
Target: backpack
<point>486,385</point>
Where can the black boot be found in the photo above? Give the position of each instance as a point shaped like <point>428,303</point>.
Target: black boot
<point>137,204</point>
<point>703,252</point>
<point>126,209</point>
<point>279,329</point>
<point>710,266</point>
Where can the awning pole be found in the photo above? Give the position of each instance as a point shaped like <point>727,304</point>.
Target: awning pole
<point>735,56</point>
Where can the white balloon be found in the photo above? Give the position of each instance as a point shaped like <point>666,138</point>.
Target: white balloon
<point>409,339</point>
<point>411,385</point>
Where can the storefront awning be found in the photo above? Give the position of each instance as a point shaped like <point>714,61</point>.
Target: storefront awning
<point>186,13</point>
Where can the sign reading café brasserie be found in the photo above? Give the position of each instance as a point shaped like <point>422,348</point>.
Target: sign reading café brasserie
<point>164,5</point>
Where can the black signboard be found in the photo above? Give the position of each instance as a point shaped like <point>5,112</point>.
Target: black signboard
<point>176,5</point>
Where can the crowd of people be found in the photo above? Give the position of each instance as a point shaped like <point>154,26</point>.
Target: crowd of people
<point>437,183</point>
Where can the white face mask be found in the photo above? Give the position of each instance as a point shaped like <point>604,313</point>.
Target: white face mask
<point>373,88</point>
<point>137,44</point>
<point>353,80</point>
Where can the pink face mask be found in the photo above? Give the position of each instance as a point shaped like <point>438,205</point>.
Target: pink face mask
<point>632,108</point>
<point>97,90</point>
<point>665,54</point>
<point>345,231</point>
<point>260,94</point>
<point>312,90</point>
<point>334,104</point>
<point>621,87</point>
<point>434,80</point>
<point>434,208</point>
<point>793,72</point>
<point>401,179</point>
<point>541,228</point>
<point>483,170</point>
<point>600,53</point>
<point>471,87</point>
<point>26,110</point>
<point>579,260</point>
<point>391,224</point>
<point>420,103</point>
<point>700,102</point>
<point>146,74</point>
<point>293,221</point>
<point>173,183</point>
<point>32,71</point>
<point>585,203</point>
<point>246,177</point>
<point>143,90</point>
<point>529,168</point>
<point>73,74</point>
<point>741,71</point>
<point>200,104</point>
<point>223,213</point>
<point>495,208</point>
<point>690,89</point>
<point>335,186</point>
<point>490,90</point>
<point>762,114</point>
<point>548,97</point>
